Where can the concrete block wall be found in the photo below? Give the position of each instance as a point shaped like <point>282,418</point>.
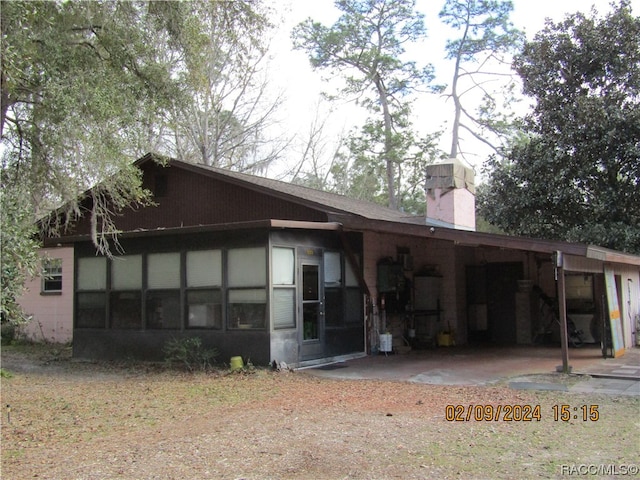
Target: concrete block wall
<point>426,254</point>
<point>52,314</point>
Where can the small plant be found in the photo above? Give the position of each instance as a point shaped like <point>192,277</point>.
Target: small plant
<point>7,333</point>
<point>5,373</point>
<point>189,353</point>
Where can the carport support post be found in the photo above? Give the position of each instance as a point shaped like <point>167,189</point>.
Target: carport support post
<point>562,306</point>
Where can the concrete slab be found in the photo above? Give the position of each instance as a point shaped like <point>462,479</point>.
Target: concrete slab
<point>491,365</point>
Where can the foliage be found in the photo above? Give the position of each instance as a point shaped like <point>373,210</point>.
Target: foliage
<point>18,253</point>
<point>222,72</point>
<point>364,47</point>
<point>364,167</point>
<point>486,40</point>
<point>80,83</point>
<point>189,353</point>
<point>577,175</point>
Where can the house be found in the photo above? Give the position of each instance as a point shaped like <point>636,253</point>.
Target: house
<point>270,271</point>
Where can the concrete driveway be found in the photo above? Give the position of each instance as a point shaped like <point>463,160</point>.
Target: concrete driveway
<point>481,365</point>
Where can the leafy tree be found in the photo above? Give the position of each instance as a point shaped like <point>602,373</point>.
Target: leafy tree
<point>365,47</point>
<point>485,43</point>
<point>18,251</point>
<point>79,83</point>
<point>577,174</point>
<point>223,74</point>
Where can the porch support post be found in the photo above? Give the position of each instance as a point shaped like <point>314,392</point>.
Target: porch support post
<point>562,306</point>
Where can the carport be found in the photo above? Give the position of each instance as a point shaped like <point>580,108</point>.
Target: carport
<point>468,365</point>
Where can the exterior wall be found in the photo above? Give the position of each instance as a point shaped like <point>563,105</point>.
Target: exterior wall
<point>193,199</point>
<point>260,345</point>
<point>428,256</point>
<point>52,313</point>
<point>455,207</point>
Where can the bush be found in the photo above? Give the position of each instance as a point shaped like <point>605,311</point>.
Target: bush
<point>7,333</point>
<point>188,353</point>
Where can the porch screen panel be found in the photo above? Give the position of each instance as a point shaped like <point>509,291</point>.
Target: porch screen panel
<point>92,273</point>
<point>351,279</point>
<point>204,268</point>
<point>91,297</point>
<point>126,272</point>
<point>247,293</point>
<point>204,309</point>
<point>247,267</point>
<point>353,295</point>
<point>247,308</point>
<point>163,291</point>
<point>284,308</point>
<point>204,294</point>
<point>333,309</point>
<point>284,291</point>
<point>283,266</point>
<point>91,309</point>
<point>332,269</point>
<point>163,270</point>
<point>126,292</point>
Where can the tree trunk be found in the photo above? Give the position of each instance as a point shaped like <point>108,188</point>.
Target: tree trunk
<point>388,144</point>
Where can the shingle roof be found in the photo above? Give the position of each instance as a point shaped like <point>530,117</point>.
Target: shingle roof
<point>324,201</point>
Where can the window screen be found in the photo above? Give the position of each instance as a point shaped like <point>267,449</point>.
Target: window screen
<point>283,266</point>
<point>247,267</point>
<point>332,270</point>
<point>351,279</point>
<point>163,270</point>
<point>284,305</point>
<point>204,268</point>
<point>92,273</point>
<point>126,272</point>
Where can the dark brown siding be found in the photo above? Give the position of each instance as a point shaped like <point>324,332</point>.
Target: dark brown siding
<point>191,199</point>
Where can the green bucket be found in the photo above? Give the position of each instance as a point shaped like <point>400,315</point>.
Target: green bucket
<point>236,363</point>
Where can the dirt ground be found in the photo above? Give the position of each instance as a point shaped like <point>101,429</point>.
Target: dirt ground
<point>63,419</point>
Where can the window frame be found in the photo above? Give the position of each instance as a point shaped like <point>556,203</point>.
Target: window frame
<point>49,277</point>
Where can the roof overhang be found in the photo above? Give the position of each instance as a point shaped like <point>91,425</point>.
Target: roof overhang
<point>225,227</point>
<point>465,238</point>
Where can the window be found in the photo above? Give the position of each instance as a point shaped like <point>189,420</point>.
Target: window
<point>353,295</point>
<point>204,289</point>
<point>333,289</point>
<point>126,292</point>
<point>92,273</point>
<point>204,309</point>
<point>247,293</point>
<point>91,310</point>
<point>284,289</point>
<point>52,275</point>
<point>91,297</point>
<point>343,297</point>
<point>163,291</point>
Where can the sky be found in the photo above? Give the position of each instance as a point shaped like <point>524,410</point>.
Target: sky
<point>302,86</point>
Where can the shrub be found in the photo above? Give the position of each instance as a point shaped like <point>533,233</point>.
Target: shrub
<point>7,333</point>
<point>188,353</point>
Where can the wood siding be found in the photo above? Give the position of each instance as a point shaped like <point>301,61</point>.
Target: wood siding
<point>194,199</point>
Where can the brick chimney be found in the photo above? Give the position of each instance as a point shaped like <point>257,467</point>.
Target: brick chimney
<point>451,195</point>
